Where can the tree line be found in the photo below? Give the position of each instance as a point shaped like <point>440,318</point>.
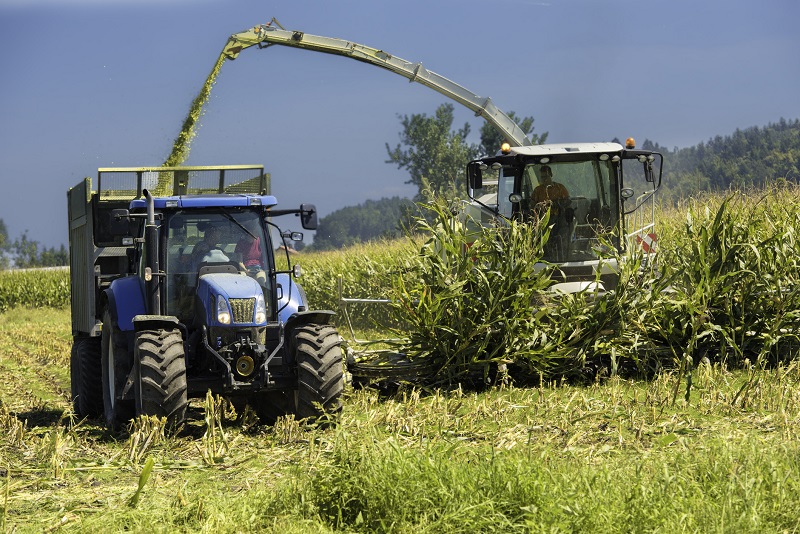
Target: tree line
<point>750,157</point>
<point>24,253</point>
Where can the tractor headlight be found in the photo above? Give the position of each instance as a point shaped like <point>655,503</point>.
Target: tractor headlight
<point>223,310</point>
<point>261,310</point>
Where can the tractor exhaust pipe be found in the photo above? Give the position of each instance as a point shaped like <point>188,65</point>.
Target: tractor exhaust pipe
<point>152,271</point>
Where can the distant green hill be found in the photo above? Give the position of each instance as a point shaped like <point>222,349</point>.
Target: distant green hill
<point>373,219</point>
<point>751,157</point>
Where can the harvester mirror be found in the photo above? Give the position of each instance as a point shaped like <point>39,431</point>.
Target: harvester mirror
<point>475,176</point>
<point>648,169</point>
<point>297,271</point>
<point>515,198</point>
<point>308,216</point>
<point>627,193</point>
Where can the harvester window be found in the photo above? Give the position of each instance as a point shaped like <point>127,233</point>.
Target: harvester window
<point>584,209</point>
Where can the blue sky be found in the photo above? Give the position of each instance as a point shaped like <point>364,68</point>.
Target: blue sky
<point>95,83</point>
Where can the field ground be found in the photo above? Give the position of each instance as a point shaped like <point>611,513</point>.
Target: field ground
<point>618,456</point>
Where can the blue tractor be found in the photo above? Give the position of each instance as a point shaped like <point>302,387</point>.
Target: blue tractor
<point>182,283</point>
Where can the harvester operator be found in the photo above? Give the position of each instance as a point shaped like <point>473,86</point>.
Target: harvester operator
<point>549,192</point>
<point>555,196</point>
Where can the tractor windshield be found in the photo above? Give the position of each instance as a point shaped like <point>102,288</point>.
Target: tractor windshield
<point>581,197</point>
<point>197,238</point>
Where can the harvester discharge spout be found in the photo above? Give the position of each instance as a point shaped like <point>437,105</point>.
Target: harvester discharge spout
<point>272,33</point>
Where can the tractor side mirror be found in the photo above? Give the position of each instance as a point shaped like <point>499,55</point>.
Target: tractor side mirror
<point>627,193</point>
<point>294,236</point>
<point>308,216</point>
<point>120,223</point>
<point>475,176</point>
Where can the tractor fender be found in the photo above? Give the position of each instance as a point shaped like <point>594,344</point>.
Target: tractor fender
<point>125,297</point>
<point>320,317</point>
<point>158,322</point>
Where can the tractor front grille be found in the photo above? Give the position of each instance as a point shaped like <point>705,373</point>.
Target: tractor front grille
<point>243,310</point>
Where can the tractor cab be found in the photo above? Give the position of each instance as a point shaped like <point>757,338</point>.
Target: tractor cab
<point>203,242</point>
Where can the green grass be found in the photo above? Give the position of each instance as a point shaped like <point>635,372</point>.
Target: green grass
<point>612,456</point>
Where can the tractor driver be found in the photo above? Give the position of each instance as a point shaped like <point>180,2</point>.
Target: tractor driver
<point>249,249</point>
<point>555,196</point>
<point>208,249</point>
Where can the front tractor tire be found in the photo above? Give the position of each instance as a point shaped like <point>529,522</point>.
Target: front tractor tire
<point>161,388</point>
<point>320,375</point>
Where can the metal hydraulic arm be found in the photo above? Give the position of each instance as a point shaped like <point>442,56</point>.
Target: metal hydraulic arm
<point>265,35</point>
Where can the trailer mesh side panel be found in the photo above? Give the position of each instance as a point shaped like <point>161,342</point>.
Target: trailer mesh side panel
<point>118,186</point>
<point>128,183</point>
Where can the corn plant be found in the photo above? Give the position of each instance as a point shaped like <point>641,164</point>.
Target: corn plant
<point>13,429</point>
<point>215,441</point>
<point>364,271</point>
<point>34,289</point>
<point>144,476</point>
<point>732,279</point>
<point>473,302</point>
<point>145,431</point>
<point>53,449</point>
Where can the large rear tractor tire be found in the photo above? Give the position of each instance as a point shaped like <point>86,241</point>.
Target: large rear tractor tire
<point>320,375</point>
<point>85,377</point>
<point>161,379</point>
<point>116,366</point>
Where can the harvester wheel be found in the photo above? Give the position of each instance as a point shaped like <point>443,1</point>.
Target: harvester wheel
<point>161,379</point>
<point>320,376</point>
<point>86,386</point>
<point>116,366</point>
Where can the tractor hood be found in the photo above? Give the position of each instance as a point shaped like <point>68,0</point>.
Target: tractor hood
<point>237,294</point>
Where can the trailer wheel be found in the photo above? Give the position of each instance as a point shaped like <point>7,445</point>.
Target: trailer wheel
<point>85,381</point>
<point>320,376</point>
<point>116,366</point>
<point>161,388</point>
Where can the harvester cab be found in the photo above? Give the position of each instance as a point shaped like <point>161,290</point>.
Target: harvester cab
<point>598,197</point>
<point>187,296</point>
